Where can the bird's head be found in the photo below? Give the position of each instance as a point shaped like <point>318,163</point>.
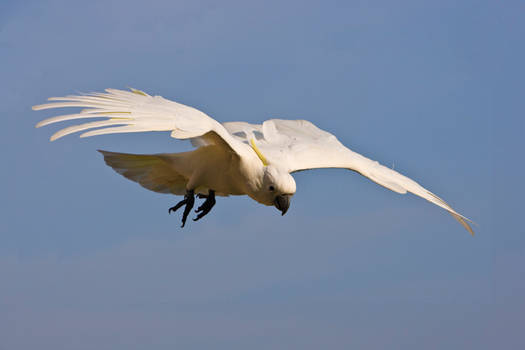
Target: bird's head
<point>277,188</point>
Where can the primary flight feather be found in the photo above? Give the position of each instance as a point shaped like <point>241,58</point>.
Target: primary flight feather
<point>234,158</point>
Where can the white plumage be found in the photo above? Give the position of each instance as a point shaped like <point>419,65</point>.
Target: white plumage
<point>234,158</point>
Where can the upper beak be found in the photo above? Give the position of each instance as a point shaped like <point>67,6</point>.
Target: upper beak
<point>282,203</point>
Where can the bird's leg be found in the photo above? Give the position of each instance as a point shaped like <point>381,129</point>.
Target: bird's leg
<point>189,200</point>
<point>207,205</point>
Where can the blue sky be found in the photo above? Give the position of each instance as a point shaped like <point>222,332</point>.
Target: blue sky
<point>90,260</point>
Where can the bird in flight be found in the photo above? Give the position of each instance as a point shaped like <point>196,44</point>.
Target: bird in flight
<point>233,158</point>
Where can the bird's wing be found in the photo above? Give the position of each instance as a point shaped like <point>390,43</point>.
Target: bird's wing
<point>297,145</point>
<point>151,171</point>
<point>118,111</point>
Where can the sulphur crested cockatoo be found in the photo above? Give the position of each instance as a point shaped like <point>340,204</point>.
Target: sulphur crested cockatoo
<point>234,158</point>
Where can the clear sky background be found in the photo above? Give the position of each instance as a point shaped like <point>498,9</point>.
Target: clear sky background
<point>90,260</point>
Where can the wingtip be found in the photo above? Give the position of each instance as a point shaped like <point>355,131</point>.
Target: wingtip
<point>54,137</point>
<point>38,107</point>
<point>470,230</point>
<point>463,221</point>
<point>43,123</point>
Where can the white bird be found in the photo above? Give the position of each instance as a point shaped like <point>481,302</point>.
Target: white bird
<point>234,158</point>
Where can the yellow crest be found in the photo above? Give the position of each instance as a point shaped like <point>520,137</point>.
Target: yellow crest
<point>258,152</point>
<point>138,92</point>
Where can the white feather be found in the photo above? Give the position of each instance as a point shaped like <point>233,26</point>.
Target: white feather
<point>289,145</point>
<point>300,145</point>
<point>137,112</point>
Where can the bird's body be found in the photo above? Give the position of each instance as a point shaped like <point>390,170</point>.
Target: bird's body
<point>234,158</point>
<point>202,169</point>
<point>208,167</point>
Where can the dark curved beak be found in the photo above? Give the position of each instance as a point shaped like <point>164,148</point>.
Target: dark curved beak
<point>282,203</point>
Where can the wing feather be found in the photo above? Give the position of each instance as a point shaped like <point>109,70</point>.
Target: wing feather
<point>297,145</point>
<point>136,111</point>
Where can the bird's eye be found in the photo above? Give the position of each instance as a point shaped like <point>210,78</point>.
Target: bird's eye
<point>271,188</point>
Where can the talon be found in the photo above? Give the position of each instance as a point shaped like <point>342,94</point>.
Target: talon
<point>206,206</point>
<point>201,208</point>
<point>189,200</point>
<point>177,206</point>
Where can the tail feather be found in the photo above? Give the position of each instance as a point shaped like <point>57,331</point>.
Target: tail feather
<point>149,170</point>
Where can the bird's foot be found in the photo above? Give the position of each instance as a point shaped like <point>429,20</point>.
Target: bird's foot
<point>189,200</point>
<point>206,206</point>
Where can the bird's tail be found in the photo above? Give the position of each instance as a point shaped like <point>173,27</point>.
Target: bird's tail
<point>151,171</point>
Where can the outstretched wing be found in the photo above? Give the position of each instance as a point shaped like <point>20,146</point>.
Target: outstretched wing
<point>298,145</point>
<point>119,111</point>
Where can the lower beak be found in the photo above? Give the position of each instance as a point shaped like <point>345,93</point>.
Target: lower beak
<point>282,203</point>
